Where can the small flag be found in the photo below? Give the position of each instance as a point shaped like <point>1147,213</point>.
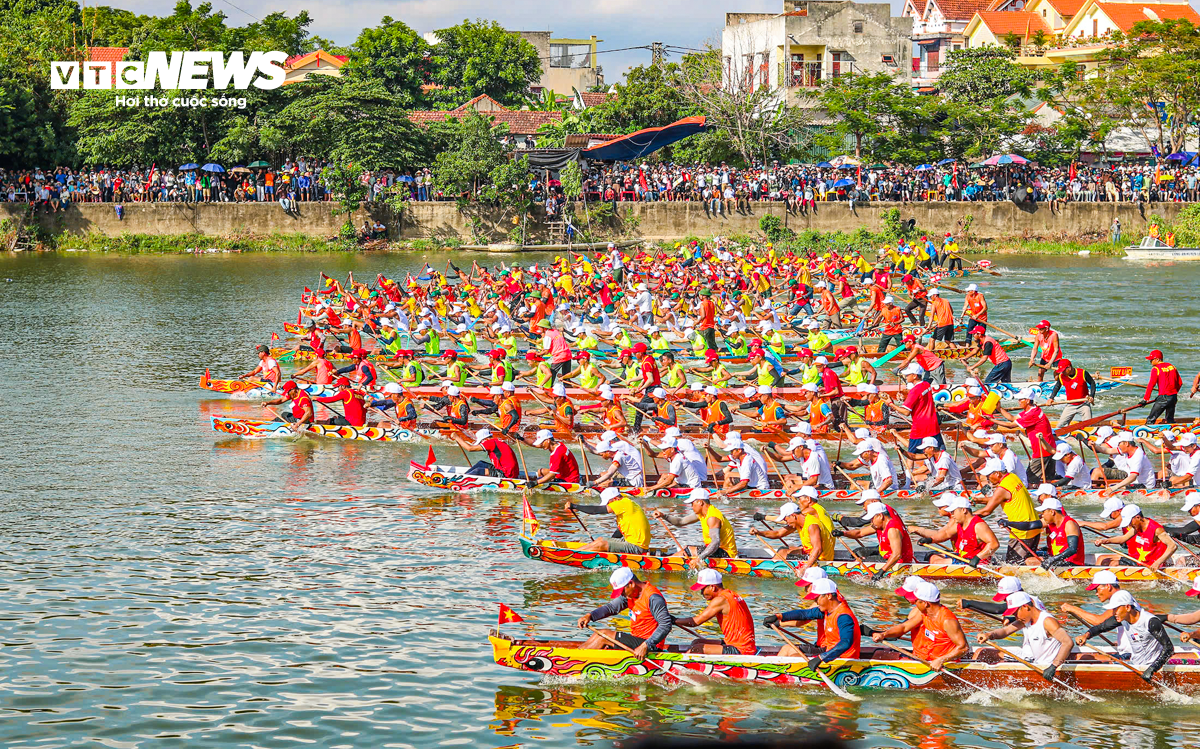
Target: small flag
<point>430,458</point>
<point>508,616</point>
<point>527,515</point>
<point>274,336</point>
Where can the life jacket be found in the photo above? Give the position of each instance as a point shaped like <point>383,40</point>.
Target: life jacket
<point>456,372</point>
<point>873,413</point>
<point>401,409</point>
<point>664,412</point>
<point>828,634</point>
<point>854,373</point>
<point>614,418</point>
<point>510,413</point>
<point>885,545</point>
<point>998,355</point>
<point>712,414</point>
<point>1145,546</point>
<point>412,375</point>
<point>641,619</point>
<point>433,346</point>
<point>564,416</point>
<point>931,639</point>
<point>737,627</point>
<point>976,307</point>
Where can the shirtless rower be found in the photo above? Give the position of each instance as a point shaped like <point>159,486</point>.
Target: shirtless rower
<point>732,615</point>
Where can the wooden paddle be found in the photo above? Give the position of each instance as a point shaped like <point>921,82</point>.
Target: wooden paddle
<point>671,534</point>
<point>1135,560</point>
<point>662,666</point>
<point>828,682</point>
<point>1155,680</point>
<point>1055,680</point>
<point>952,555</point>
<point>1085,424</point>
<point>943,670</point>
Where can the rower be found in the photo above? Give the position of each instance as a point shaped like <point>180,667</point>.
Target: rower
<point>943,473</point>
<point>267,367</point>
<point>1105,584</point>
<point>1005,587</point>
<point>1079,388</point>
<point>562,409</point>
<point>664,415</point>
<point>1064,538</point>
<point>632,535</point>
<point>1046,642</point>
<point>563,466</point>
<point>1166,378</point>
<point>673,374</point>
<point>503,463</point>
<point>625,468</point>
<point>650,621</point>
<point>715,371</point>
<point>772,414</point>
<point>1182,465</point>
<point>933,366</point>
<point>714,411</point>
<point>810,522</point>
<point>302,405</point>
<point>412,373</point>
<point>1045,349</point>
<point>539,373</point>
<point>354,411</point>
<point>1190,618</point>
<point>1148,542</point>
<point>895,546</point>
<point>613,418</point>
<point>1189,530</point>
<point>1075,472</point>
<point>831,391</point>
<point>361,370</point>
<point>999,449</point>
<point>942,319</point>
<point>1037,430</point>
<point>1150,645</point>
<point>857,367</point>
<point>1132,469</point>
<point>870,454</point>
<point>968,534</point>
<point>751,468</point>
<point>648,381</point>
<point>876,412</point>
<point>682,469</point>
<point>937,636</point>
<point>456,371</point>
<point>991,351</point>
<point>891,322</point>
<point>321,368</point>
<point>590,376</point>
<point>975,312</point>
<point>508,409</point>
<point>715,529</point>
<point>838,630</point>
<point>458,410</point>
<point>1008,493</point>
<point>732,615</point>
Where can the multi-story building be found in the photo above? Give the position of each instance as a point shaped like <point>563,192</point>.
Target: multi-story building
<point>813,41</point>
<point>938,29</point>
<point>566,63</point>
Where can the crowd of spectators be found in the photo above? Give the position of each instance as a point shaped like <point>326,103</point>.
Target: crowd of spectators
<point>723,189</point>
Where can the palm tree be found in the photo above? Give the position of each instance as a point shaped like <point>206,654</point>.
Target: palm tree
<point>546,102</point>
<point>1040,39</point>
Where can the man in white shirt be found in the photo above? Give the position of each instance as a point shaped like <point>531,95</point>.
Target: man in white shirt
<point>1072,468</point>
<point>944,473</point>
<point>681,470</point>
<point>1000,449</point>
<point>1184,461</point>
<point>815,473</point>
<point>1138,471</point>
<point>870,454</point>
<point>626,466</point>
<point>751,469</point>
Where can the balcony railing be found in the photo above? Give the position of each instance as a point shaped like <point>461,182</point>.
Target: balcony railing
<point>812,74</point>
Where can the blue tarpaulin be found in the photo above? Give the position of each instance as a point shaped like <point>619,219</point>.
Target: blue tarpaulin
<point>637,145</point>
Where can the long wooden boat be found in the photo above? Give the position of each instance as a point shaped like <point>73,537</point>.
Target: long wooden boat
<point>878,668</point>
<point>255,389</point>
<point>568,553</point>
<point>265,428</point>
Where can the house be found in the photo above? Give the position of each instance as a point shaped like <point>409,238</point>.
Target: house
<point>938,29</point>
<point>111,55</point>
<point>812,41</point>
<point>1095,20</point>
<point>566,63</point>
<point>300,67</point>
<point>521,122</point>
<point>998,27</point>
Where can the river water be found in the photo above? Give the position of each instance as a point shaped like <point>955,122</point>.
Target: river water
<point>165,586</point>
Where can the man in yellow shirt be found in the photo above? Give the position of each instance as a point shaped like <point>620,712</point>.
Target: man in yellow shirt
<point>633,529</point>
<point>810,522</point>
<point>1020,516</point>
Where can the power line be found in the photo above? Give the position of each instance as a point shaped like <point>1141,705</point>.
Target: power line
<point>231,5</point>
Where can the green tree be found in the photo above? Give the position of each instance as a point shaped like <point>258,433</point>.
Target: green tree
<point>394,55</point>
<point>467,167</point>
<point>984,73</point>
<point>985,92</point>
<point>480,57</point>
<point>864,107</point>
<point>110,27</point>
<point>186,28</point>
<point>649,97</point>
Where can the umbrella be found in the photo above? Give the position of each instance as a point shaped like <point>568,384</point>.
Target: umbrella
<point>188,167</point>
<point>842,160</point>
<point>923,168</point>
<point>874,167</point>
<point>259,165</point>
<point>980,165</point>
<point>1181,156</point>
<point>404,178</point>
<point>1008,158</point>
<point>944,162</point>
<point>824,165</point>
<point>848,166</point>
<point>212,168</point>
<point>240,170</point>
<point>843,183</point>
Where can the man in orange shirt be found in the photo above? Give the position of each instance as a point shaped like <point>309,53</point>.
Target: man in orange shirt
<point>975,311</point>
<point>942,319</point>
<point>937,636</point>
<point>707,325</point>
<point>731,612</point>
<point>891,321</point>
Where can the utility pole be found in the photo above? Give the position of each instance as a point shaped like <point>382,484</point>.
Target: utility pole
<point>656,54</point>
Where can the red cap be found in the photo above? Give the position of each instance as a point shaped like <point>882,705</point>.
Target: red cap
<point>910,339</point>
<point>342,382</point>
<point>288,386</point>
<point>359,353</point>
<point>979,332</point>
<point>1192,593</point>
<point>640,348</point>
<point>451,354</point>
<point>906,595</point>
<point>1000,597</point>
<point>1155,354</point>
<point>809,596</point>
<point>624,353</point>
<point>1062,365</point>
<point>906,278</point>
<point>532,356</point>
<point>755,343</point>
<point>850,350</point>
<point>496,353</point>
<point>582,355</point>
<point>711,355</point>
<point>756,352</point>
<point>805,352</point>
<point>1044,324</point>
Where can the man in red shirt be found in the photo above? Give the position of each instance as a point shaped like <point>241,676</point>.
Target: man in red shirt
<point>932,364</point>
<point>651,378</point>
<point>503,460</point>
<point>1166,378</point>
<point>563,466</point>
<point>920,408</point>
<point>354,412</point>
<point>1040,435</point>
<point>831,389</point>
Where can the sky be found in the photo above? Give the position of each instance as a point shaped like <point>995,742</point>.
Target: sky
<point>620,23</point>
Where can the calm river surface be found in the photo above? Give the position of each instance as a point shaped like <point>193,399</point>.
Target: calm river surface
<point>165,586</point>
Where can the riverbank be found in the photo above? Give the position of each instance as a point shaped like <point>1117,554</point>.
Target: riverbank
<point>315,226</point>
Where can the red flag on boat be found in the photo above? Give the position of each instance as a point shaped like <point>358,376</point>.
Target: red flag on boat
<point>508,616</point>
<point>274,336</point>
<point>430,458</point>
<point>527,516</point>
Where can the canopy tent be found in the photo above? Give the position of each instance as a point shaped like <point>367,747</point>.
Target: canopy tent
<point>643,142</point>
<point>550,158</point>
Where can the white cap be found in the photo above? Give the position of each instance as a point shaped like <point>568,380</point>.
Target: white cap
<point>822,587</point>
<point>707,576</point>
<point>1191,500</point>
<point>1048,490</point>
<point>507,387</point>
<point>392,388</point>
<point>1128,513</point>
<point>797,442</point>
<point>888,299</point>
<point>1016,600</point>
<point>973,382</point>
<point>750,391</point>
<point>620,577</point>
<point>810,387</point>
<point>790,508</point>
<point>864,446</point>
<point>452,391</point>
<point>659,393</point>
<point>765,390</point>
<point>913,369</point>
<point>974,391</point>
<point>821,360</point>
<point>698,493</point>
<point>1126,437</point>
<point>607,395</point>
<point>652,329</point>
<point>996,438</point>
<point>862,433</point>
<point>958,502</point>
<point>934,292</point>
<point>806,491</point>
<point>990,466</point>
<point>495,390</point>
<point>1186,439</point>
<point>1061,450</point>
<point>1049,503</point>
<point>673,432</point>
<point>868,495</point>
<point>867,387</point>
<point>912,582</point>
<point>813,574</point>
<point>460,328</point>
<point>710,390</point>
<point>981,434</point>
<point>1121,598</point>
<point>1007,586</point>
<point>1104,433</point>
<point>608,436</point>
<point>481,435</point>
<point>542,436</point>
<point>1026,394</point>
<point>559,390</point>
<point>1111,505</point>
<point>972,287</point>
<point>609,495</point>
<point>944,501</point>
<point>873,509</point>
<point>927,442</point>
<point>698,387</point>
<point>667,443</point>
<point>802,427</point>
<point>928,592</point>
<point>1103,577</point>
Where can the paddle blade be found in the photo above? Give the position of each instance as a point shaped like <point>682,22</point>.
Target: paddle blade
<point>430,458</point>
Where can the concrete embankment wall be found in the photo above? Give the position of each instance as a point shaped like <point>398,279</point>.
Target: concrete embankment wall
<point>643,220</point>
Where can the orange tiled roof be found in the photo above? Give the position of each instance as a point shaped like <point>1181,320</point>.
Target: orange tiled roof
<point>1018,22</point>
<point>1067,8</point>
<point>961,10</point>
<point>295,60</point>
<point>107,54</point>
<point>1125,15</point>
<point>591,99</point>
<point>519,122</point>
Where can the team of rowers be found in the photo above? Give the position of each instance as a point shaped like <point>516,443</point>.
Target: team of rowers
<point>936,634</point>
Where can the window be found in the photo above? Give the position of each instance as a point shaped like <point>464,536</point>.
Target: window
<point>858,27</point>
<point>570,55</point>
<point>1095,27</point>
<point>1043,12</point>
<point>889,60</point>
